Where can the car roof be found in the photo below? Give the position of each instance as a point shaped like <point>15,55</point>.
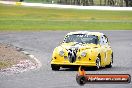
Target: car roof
<point>86,32</point>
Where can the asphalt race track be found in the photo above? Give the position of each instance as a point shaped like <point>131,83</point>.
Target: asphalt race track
<point>41,44</point>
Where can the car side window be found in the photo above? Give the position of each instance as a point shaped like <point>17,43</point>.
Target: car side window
<point>103,40</point>
<point>106,40</point>
<point>64,39</point>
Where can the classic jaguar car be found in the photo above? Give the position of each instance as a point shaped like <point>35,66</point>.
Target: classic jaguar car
<point>83,48</point>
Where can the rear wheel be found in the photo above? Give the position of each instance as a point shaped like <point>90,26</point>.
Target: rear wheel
<point>55,67</point>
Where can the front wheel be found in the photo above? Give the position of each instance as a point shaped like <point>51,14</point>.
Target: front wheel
<point>55,67</point>
<point>98,61</point>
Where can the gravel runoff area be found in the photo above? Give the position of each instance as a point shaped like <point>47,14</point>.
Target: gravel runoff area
<point>68,6</point>
<point>15,60</point>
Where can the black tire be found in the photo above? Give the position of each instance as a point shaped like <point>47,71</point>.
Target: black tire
<point>81,80</point>
<point>98,63</point>
<point>55,67</point>
<point>110,65</point>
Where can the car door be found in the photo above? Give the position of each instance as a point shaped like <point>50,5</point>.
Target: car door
<point>104,50</point>
<point>108,49</point>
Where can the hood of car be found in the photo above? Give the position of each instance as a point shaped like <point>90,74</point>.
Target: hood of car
<point>74,45</point>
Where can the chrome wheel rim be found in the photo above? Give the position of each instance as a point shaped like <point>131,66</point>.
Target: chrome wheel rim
<point>98,63</point>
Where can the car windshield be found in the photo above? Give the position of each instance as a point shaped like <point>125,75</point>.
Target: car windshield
<point>81,38</point>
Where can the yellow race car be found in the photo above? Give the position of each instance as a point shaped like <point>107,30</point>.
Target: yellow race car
<point>83,48</point>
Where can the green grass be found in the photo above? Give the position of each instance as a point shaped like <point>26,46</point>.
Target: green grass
<point>3,65</point>
<point>33,18</point>
<point>40,1</point>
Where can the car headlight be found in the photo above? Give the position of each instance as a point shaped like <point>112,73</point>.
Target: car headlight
<point>61,53</point>
<point>83,54</point>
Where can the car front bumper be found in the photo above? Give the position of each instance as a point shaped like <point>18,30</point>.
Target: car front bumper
<point>77,63</point>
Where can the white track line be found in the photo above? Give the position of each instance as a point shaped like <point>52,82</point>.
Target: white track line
<point>33,57</point>
<point>38,62</point>
<point>70,6</point>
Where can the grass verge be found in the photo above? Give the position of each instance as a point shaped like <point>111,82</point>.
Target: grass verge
<point>19,18</point>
